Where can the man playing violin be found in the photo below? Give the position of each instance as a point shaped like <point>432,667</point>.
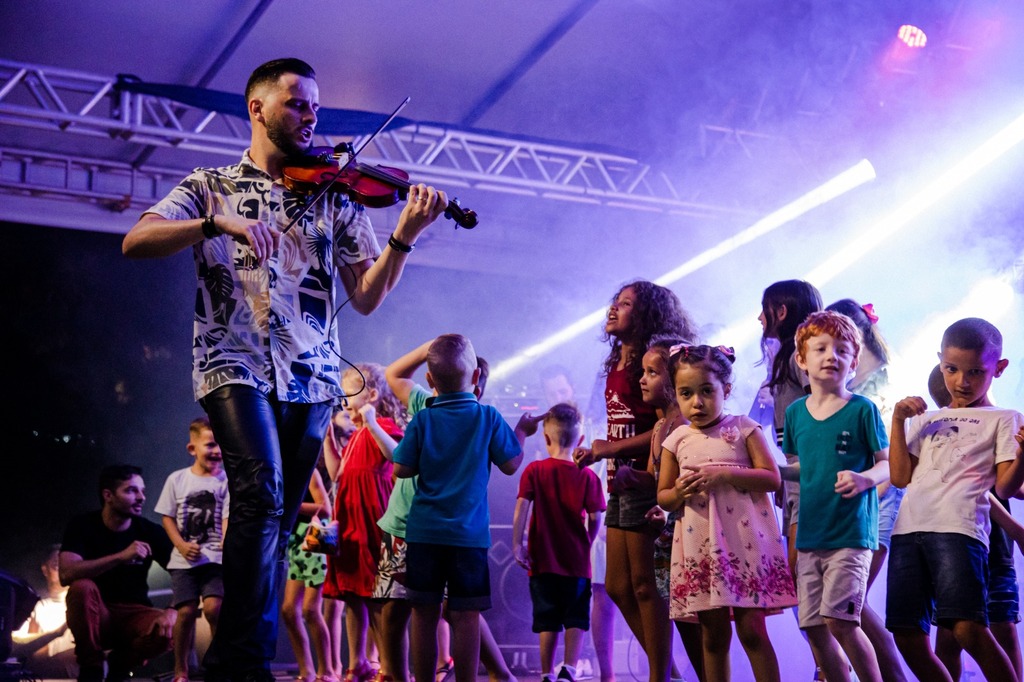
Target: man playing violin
<point>266,365</point>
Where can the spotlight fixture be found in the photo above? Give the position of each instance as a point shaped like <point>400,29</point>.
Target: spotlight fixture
<point>912,36</point>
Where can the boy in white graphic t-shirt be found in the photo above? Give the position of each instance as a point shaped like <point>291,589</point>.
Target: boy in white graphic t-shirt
<point>948,460</point>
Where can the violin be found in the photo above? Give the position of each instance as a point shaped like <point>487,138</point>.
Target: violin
<point>372,186</point>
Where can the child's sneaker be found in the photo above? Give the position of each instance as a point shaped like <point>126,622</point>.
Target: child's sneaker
<point>584,669</point>
<point>546,677</point>
<point>567,674</point>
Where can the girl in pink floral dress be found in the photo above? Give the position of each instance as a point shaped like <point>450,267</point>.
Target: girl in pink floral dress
<point>728,561</point>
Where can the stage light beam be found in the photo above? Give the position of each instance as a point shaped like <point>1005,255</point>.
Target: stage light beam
<point>849,179</point>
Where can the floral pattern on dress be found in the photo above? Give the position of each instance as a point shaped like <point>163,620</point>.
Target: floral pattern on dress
<point>723,574</point>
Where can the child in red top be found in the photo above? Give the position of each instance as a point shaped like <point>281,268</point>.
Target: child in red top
<point>364,483</point>
<point>567,504</point>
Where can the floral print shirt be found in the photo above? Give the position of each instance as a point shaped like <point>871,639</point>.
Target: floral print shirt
<point>269,326</point>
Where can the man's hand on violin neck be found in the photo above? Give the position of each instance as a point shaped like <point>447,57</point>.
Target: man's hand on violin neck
<point>425,205</point>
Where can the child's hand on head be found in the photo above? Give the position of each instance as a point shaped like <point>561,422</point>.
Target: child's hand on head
<point>369,413</point>
<point>850,483</point>
<point>909,407</point>
<point>1019,437</point>
<point>528,423</point>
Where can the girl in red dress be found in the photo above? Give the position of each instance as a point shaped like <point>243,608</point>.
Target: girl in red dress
<point>364,482</point>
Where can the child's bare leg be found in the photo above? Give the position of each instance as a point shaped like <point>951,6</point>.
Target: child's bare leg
<point>211,611</point>
<point>423,640</point>
<point>183,637</point>
<point>828,654</point>
<point>357,625</point>
<point>333,614</point>
<point>602,630</point>
<point>390,620</point>
<point>716,636</point>
<point>444,640</point>
<point>885,649</point>
<point>291,614</point>
<point>857,647</point>
<point>948,650</point>
<point>490,655</point>
<point>916,648</point>
<point>874,627</point>
<point>465,644</point>
<point>1006,636</point>
<point>753,635</point>
<point>619,585</point>
<point>573,646</point>
<point>657,627</point>
<point>977,640</point>
<point>690,634</point>
<point>548,644</point>
<point>316,626</point>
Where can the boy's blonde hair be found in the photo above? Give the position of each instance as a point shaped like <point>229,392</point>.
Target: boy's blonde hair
<point>388,404</point>
<point>198,425</point>
<point>836,325</point>
<point>567,421</point>
<point>451,361</point>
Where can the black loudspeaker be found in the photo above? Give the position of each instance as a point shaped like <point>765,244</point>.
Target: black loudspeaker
<point>17,599</point>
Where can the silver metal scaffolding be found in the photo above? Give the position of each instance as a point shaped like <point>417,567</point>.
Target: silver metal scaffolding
<point>74,103</point>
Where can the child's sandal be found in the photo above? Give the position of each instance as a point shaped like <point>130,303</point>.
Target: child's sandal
<point>444,671</point>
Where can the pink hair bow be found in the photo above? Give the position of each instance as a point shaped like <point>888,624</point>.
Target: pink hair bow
<point>728,352</point>
<point>673,350</point>
<point>869,310</point>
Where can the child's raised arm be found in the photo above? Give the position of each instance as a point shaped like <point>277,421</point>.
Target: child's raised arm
<point>1010,475</point>
<point>384,440</point>
<point>399,373</point>
<point>901,462</point>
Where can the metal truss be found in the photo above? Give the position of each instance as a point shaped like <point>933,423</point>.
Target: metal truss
<point>70,102</point>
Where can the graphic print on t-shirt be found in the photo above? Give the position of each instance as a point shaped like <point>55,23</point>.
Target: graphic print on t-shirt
<point>199,524</point>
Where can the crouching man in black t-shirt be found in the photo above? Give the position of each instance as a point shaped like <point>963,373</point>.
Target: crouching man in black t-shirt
<point>104,559</point>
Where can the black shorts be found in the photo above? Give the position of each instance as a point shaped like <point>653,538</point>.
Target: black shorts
<point>430,569</point>
<point>560,602</point>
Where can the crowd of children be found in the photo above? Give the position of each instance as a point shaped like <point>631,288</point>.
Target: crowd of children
<point>693,537</point>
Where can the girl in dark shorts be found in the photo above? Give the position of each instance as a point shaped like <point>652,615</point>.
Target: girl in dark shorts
<point>639,311</point>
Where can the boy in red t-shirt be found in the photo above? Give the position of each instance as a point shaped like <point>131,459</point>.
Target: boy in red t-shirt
<point>567,508</point>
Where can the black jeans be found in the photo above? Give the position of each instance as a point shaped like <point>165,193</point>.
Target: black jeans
<point>270,449</point>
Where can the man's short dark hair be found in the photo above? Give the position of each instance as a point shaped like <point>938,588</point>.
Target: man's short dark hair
<point>269,73</point>
<point>111,476</point>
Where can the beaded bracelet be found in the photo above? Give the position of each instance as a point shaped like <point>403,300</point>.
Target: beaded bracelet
<point>400,246</point>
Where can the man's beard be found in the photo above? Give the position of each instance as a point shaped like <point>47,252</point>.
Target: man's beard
<point>277,134</point>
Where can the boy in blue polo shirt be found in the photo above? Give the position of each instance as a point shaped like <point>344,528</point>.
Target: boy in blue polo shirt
<point>451,445</point>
